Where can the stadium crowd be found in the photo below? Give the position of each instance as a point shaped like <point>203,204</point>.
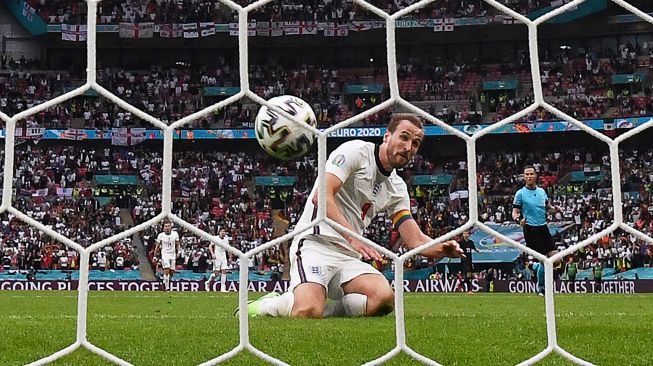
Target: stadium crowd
<point>575,81</point>
<point>184,11</point>
<point>217,189</point>
<point>24,247</point>
<point>579,83</point>
<point>55,186</point>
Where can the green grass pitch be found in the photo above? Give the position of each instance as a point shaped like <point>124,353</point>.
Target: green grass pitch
<point>454,329</point>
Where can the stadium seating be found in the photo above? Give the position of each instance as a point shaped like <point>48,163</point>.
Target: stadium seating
<point>578,84</point>
<point>113,11</point>
<point>577,81</point>
<point>246,210</point>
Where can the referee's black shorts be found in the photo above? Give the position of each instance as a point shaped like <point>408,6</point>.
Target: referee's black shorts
<point>467,263</point>
<point>539,239</point>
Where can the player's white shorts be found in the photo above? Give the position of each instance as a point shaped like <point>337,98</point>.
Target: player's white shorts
<point>311,261</point>
<point>168,262</point>
<point>220,263</point>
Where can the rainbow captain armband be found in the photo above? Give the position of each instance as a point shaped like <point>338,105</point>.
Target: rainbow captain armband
<point>400,217</point>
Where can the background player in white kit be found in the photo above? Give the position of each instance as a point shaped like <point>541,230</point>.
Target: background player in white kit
<point>220,264</point>
<point>168,243</point>
<point>360,182</point>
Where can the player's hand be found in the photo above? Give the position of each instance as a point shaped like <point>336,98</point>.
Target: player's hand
<point>522,222</point>
<point>451,249</point>
<point>365,250</point>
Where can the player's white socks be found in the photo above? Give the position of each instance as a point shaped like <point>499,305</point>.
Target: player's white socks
<point>349,305</point>
<point>166,282</point>
<point>223,282</point>
<point>212,277</point>
<point>277,306</point>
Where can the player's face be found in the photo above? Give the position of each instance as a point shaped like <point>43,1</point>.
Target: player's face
<point>403,143</point>
<point>223,232</point>
<point>530,177</point>
<point>466,235</point>
<point>167,228</point>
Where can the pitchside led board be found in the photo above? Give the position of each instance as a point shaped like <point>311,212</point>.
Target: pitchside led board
<point>423,285</point>
<point>236,134</point>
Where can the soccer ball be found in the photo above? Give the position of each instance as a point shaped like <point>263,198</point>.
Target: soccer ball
<point>281,137</point>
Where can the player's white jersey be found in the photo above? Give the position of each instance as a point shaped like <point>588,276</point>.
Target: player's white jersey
<point>367,189</point>
<point>168,243</point>
<point>218,252</point>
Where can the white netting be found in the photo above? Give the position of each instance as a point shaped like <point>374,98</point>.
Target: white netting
<point>395,99</point>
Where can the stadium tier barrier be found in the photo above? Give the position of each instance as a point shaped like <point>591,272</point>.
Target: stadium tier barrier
<point>609,274</point>
<point>53,275</point>
<point>548,126</point>
<point>587,274</point>
<point>132,275</point>
<point>419,274</point>
<point>633,274</point>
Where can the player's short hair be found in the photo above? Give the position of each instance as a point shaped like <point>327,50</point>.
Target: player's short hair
<point>530,167</point>
<point>397,118</point>
<point>165,222</point>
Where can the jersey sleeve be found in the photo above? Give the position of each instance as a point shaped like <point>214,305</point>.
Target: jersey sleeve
<point>399,206</point>
<point>517,202</point>
<point>345,160</point>
<point>158,238</point>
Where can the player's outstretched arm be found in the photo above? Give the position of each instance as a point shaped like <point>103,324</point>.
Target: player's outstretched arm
<point>414,237</point>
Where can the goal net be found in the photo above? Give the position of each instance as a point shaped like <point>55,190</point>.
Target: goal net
<point>394,100</point>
